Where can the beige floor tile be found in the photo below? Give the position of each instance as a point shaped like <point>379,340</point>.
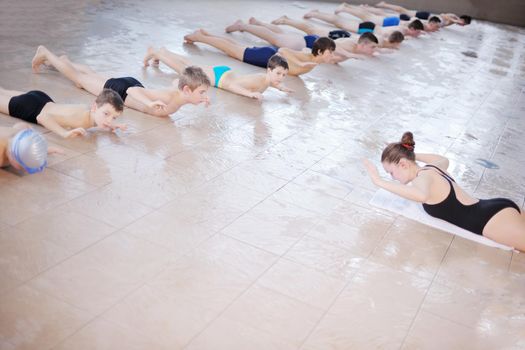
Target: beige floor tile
<point>104,335</point>
<point>304,197</point>
<point>358,240</point>
<point>332,260</point>
<point>302,283</point>
<point>364,316</point>
<point>272,225</point>
<point>281,316</point>
<point>109,207</point>
<point>517,263</point>
<point>30,319</point>
<point>161,315</point>
<point>219,336</point>
<point>413,247</point>
<point>324,184</point>
<point>25,255</point>
<point>361,217</point>
<point>472,265</point>
<point>432,332</point>
<point>177,234</point>
<point>103,274</point>
<point>216,273</point>
<point>91,170</point>
<point>491,313</point>
<point>72,231</point>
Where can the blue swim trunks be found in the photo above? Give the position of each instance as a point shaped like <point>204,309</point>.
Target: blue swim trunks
<point>219,71</point>
<point>390,21</point>
<point>366,27</point>
<point>259,56</point>
<point>310,39</point>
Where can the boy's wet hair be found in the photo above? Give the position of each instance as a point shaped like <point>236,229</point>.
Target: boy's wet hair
<point>367,38</point>
<point>193,77</point>
<point>416,25</point>
<point>277,61</point>
<point>322,44</point>
<point>434,19</point>
<point>111,97</point>
<point>466,19</point>
<point>396,37</point>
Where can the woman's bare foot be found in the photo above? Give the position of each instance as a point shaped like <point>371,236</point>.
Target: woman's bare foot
<point>39,58</point>
<point>235,27</point>
<point>280,20</point>
<point>310,14</point>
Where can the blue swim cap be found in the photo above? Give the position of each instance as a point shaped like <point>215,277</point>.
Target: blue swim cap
<point>29,149</point>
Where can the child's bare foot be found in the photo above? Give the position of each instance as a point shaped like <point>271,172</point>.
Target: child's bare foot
<point>341,8</point>
<point>253,20</point>
<point>280,20</point>
<point>39,58</point>
<point>381,3</point>
<point>235,27</point>
<point>150,55</point>
<point>310,14</point>
<point>191,38</point>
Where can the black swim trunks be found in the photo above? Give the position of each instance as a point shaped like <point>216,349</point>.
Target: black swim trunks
<point>423,15</point>
<point>121,85</point>
<point>404,17</point>
<point>28,106</point>
<point>338,34</point>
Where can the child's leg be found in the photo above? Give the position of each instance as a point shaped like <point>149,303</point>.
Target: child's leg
<point>272,27</point>
<point>259,31</point>
<point>5,97</point>
<point>228,46</point>
<point>396,8</point>
<point>336,20</point>
<point>176,62</point>
<point>304,26</point>
<point>87,80</point>
<point>358,12</point>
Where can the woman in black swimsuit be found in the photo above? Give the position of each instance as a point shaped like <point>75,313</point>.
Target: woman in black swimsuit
<point>499,219</point>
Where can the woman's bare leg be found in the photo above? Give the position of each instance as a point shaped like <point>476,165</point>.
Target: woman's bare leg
<point>228,46</point>
<point>84,78</point>
<point>304,26</point>
<point>507,227</point>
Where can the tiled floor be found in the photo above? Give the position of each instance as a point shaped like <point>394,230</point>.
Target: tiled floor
<point>246,225</point>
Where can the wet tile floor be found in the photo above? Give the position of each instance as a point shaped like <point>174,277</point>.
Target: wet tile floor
<point>246,225</point>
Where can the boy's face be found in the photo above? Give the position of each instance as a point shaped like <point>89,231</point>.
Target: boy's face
<point>104,115</point>
<point>433,26</point>
<point>277,75</point>
<point>199,95</point>
<point>367,48</point>
<point>414,32</point>
<point>327,56</point>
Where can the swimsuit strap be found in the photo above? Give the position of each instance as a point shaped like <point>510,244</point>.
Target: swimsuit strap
<point>441,172</point>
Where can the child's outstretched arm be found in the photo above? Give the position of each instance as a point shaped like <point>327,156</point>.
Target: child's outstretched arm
<point>139,94</point>
<point>239,90</point>
<point>48,121</point>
